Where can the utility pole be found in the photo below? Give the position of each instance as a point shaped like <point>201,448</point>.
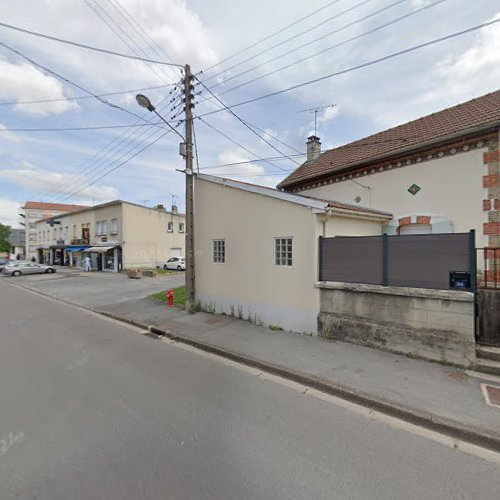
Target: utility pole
<point>188,100</point>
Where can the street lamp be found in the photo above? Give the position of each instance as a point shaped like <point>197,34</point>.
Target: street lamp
<point>144,102</point>
<point>187,152</point>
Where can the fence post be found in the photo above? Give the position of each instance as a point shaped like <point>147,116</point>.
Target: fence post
<point>472,260</point>
<point>320,259</point>
<point>385,260</point>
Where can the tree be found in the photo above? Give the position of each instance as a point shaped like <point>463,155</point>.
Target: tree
<point>160,207</point>
<point>4,238</point>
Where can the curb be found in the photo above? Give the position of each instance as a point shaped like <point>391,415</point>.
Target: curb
<point>470,434</point>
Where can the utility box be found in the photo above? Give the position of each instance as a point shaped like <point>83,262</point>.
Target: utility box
<point>460,280</point>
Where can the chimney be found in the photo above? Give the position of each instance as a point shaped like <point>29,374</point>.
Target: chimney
<point>313,148</point>
<point>174,210</point>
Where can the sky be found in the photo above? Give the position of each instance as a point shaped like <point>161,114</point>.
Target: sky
<point>260,47</point>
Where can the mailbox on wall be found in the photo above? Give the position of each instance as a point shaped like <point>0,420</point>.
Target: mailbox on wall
<point>460,280</point>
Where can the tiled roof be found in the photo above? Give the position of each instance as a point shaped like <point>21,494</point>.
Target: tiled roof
<point>464,118</point>
<point>39,205</point>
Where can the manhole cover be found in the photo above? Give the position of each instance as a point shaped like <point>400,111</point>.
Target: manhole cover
<point>457,376</point>
<point>491,394</point>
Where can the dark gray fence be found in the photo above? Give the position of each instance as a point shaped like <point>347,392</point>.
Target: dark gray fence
<point>440,261</point>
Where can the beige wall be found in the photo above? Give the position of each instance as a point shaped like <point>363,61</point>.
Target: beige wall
<point>451,187</point>
<point>147,242</point>
<point>249,280</point>
<point>79,219</point>
<point>142,232</point>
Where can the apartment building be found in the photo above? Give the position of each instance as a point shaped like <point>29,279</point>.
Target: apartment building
<point>115,235</point>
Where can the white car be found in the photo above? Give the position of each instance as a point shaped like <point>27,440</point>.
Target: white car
<point>178,263</point>
<point>19,267</point>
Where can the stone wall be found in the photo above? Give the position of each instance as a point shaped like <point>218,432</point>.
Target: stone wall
<point>430,324</point>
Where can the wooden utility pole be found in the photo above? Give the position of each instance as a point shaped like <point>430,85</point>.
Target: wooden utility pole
<point>188,100</point>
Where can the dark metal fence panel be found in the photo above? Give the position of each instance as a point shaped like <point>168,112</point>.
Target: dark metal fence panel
<point>422,261</point>
<point>426,260</point>
<point>351,260</point>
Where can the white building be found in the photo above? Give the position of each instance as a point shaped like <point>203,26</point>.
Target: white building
<point>256,249</point>
<point>437,174</point>
<point>115,235</point>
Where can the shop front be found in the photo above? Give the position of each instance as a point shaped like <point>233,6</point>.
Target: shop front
<point>75,255</point>
<point>105,258</point>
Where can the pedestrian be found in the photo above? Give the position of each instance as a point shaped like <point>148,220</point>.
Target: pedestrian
<point>33,259</point>
<point>87,264</point>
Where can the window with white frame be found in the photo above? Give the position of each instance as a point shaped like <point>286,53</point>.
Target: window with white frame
<point>283,251</point>
<point>100,228</point>
<point>181,227</point>
<point>219,251</point>
<point>114,226</point>
<point>170,226</point>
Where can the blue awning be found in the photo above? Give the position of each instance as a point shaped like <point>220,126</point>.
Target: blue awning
<point>75,249</point>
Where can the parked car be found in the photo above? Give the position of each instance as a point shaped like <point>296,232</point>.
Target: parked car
<point>178,263</point>
<point>18,267</point>
<point>3,263</point>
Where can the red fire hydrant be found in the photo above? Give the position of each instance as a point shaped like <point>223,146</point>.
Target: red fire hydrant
<point>170,298</point>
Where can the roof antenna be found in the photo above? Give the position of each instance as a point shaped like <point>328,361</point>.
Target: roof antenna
<point>315,111</point>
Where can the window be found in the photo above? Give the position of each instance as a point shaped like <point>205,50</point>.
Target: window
<point>219,248</point>
<point>32,225</point>
<point>114,226</point>
<point>100,228</point>
<point>181,227</point>
<point>74,230</point>
<point>170,227</point>
<point>283,251</point>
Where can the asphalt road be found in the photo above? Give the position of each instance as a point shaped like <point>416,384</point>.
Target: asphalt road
<point>90,409</point>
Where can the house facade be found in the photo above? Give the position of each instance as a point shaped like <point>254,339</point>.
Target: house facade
<point>115,235</point>
<point>256,250</point>
<point>17,241</point>
<point>437,174</point>
<point>31,212</point>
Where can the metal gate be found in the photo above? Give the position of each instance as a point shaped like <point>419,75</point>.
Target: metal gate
<point>488,296</point>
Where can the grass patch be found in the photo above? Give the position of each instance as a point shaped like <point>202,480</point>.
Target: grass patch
<point>179,295</point>
<point>164,271</point>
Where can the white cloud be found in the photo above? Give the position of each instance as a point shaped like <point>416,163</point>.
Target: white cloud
<point>472,72</point>
<point>9,212</point>
<point>328,114</point>
<point>32,178</point>
<point>24,82</point>
<point>8,136</point>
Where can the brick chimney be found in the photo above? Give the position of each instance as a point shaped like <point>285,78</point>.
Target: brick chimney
<point>313,148</point>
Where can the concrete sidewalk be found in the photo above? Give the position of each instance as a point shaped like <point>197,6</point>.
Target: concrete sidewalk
<point>438,397</point>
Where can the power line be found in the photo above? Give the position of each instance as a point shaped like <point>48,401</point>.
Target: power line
<point>78,97</point>
<point>361,65</point>
<point>139,29</point>
<point>272,35</point>
<point>238,144</point>
<point>67,80</point>
<point>277,139</point>
<point>314,41</point>
<point>327,49</point>
<point>85,46</point>
<point>124,140</point>
<point>117,166</point>
<point>67,129</point>
<point>294,37</point>
<point>246,125</point>
<point>248,161</point>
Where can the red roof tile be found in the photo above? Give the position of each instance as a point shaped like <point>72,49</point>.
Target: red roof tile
<point>40,205</point>
<point>483,112</point>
